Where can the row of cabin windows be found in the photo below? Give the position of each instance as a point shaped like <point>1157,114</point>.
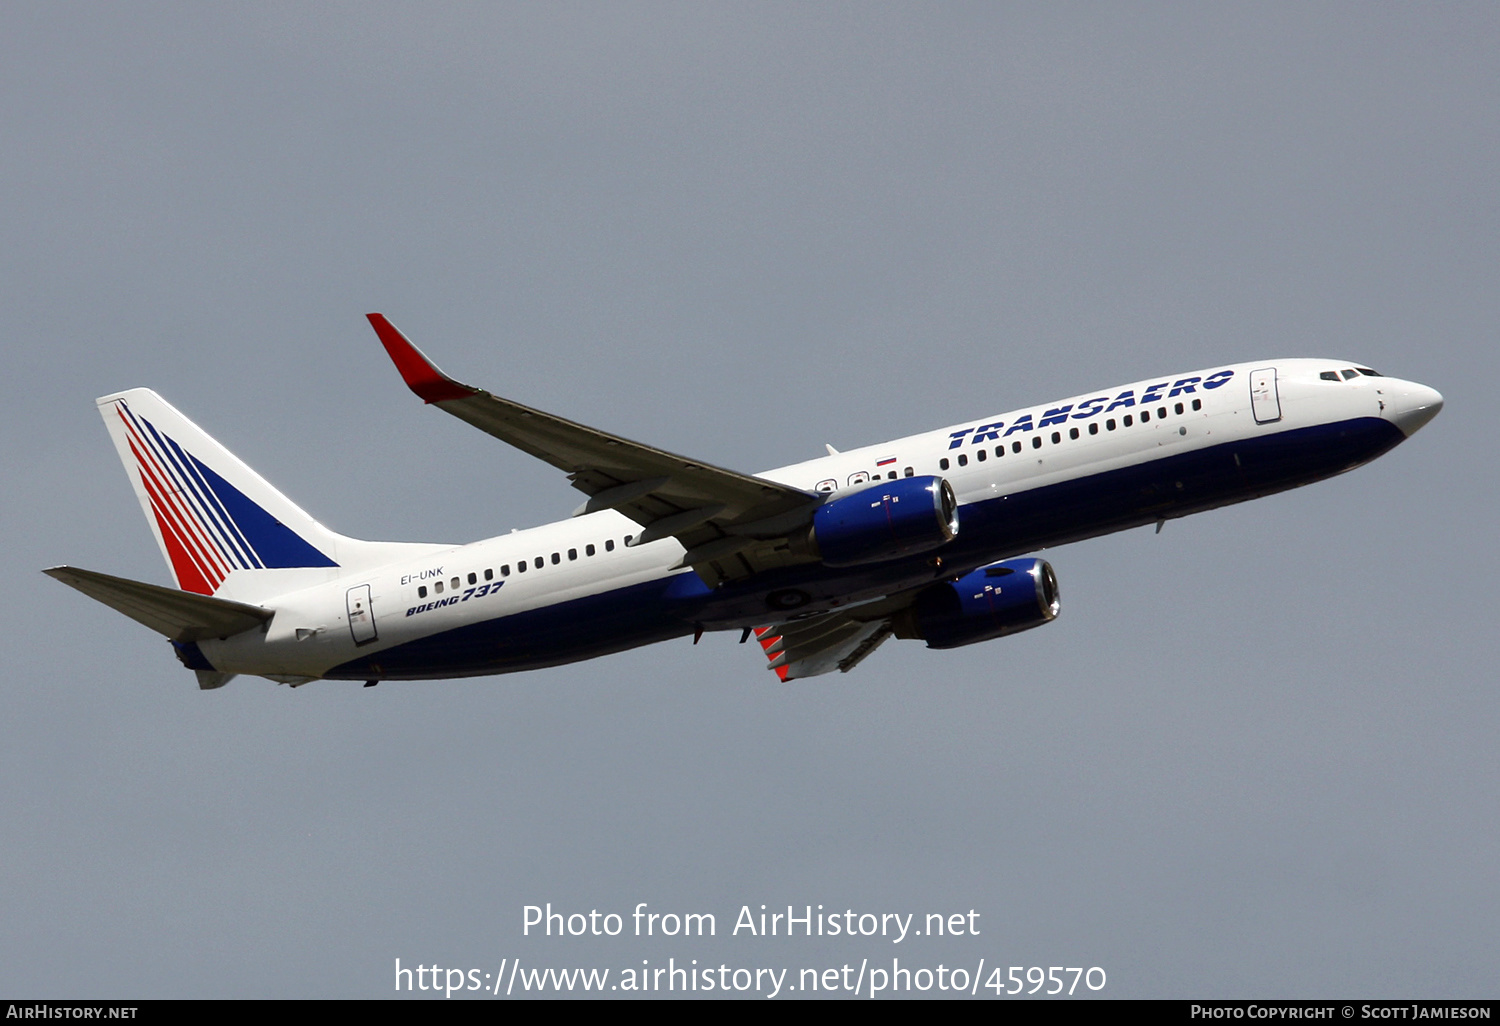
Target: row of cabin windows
<point>537,562</point>
<point>1036,440</point>
<point>857,478</point>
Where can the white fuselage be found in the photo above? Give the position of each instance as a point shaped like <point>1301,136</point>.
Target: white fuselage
<point>436,591</point>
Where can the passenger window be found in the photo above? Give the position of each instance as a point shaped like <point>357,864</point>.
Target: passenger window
<point>521,567</point>
<point>1094,428</point>
<point>1145,417</point>
<point>505,570</point>
<point>422,591</point>
<point>489,575</point>
<point>908,472</point>
<point>473,578</point>
<point>1127,420</point>
<point>891,476</point>
<point>1177,408</point>
<point>1015,446</point>
<point>609,545</point>
<point>588,550</point>
<point>627,540</point>
<point>437,587</point>
<point>1072,432</point>
<point>1197,404</point>
<point>556,558</point>
<point>999,451</point>
<point>1161,413</point>
<point>454,584</point>
<point>1036,441</point>
<point>943,463</point>
<point>981,455</point>
<point>572,553</point>
<point>538,562</point>
<point>1109,424</point>
<point>963,461</point>
<point>1056,437</point>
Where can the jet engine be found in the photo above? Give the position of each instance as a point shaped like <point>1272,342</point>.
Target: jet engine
<point>1004,598</point>
<point>887,520</point>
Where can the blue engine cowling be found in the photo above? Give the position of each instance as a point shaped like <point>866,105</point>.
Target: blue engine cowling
<point>1004,598</point>
<point>887,520</point>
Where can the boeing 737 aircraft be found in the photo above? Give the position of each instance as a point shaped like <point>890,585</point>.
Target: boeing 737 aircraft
<point>922,537</point>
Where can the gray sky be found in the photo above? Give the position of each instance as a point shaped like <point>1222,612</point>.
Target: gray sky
<point>1255,756</point>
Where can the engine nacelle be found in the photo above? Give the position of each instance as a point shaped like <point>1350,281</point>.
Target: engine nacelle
<point>887,520</point>
<point>1004,598</point>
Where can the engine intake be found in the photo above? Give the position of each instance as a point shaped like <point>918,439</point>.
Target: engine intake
<point>1004,598</point>
<point>887,520</point>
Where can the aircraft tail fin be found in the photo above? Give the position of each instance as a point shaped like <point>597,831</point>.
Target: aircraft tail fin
<point>222,528</point>
<point>210,513</point>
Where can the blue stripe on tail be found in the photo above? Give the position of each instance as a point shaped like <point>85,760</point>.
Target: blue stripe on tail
<point>275,545</point>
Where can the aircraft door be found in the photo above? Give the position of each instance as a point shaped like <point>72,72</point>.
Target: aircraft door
<point>361,615</point>
<point>1265,400</point>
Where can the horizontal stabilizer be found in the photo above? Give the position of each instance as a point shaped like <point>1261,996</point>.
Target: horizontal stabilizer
<point>180,615</point>
<point>210,679</point>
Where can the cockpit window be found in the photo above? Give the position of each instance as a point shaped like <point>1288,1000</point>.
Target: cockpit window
<point>1367,372</point>
<point>1329,375</point>
<point>1349,374</point>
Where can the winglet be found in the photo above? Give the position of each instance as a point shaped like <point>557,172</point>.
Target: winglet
<point>420,374</point>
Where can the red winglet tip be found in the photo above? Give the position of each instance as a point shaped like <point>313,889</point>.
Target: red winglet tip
<point>419,373</point>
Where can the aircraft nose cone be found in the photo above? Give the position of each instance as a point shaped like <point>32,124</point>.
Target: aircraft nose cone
<point>1414,406</point>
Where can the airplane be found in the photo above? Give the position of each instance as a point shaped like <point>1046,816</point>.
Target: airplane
<point>924,537</point>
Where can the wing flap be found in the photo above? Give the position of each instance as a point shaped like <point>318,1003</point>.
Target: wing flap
<point>179,615</point>
<point>821,644</point>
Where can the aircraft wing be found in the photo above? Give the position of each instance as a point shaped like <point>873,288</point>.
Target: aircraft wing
<point>821,644</point>
<point>732,524</point>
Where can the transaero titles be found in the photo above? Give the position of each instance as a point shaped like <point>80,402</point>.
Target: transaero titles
<point>1086,409</point>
